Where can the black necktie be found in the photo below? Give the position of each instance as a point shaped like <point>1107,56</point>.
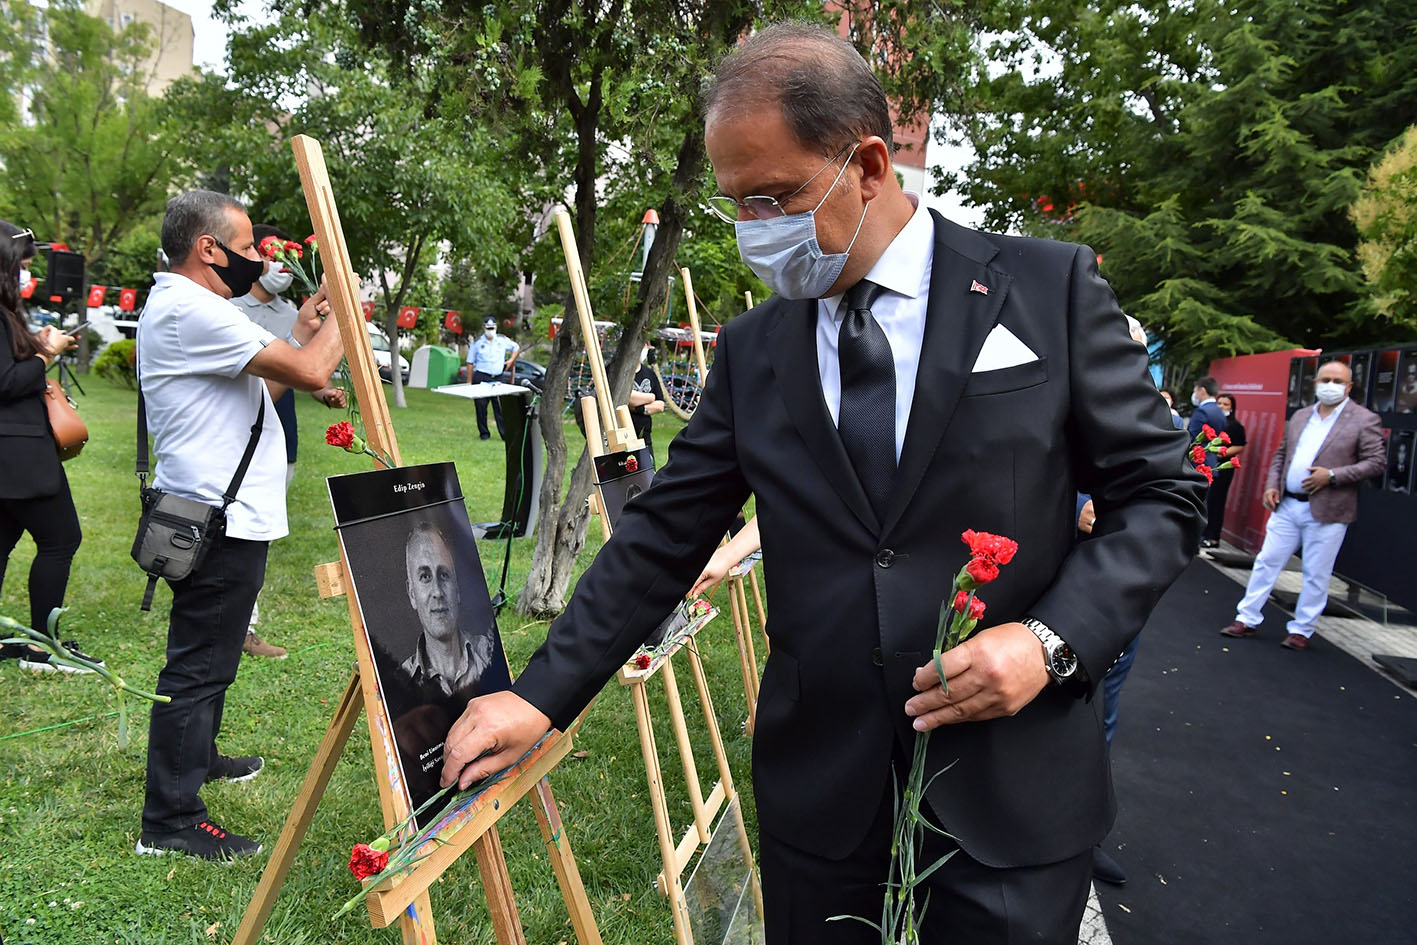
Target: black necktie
<point>866,421</point>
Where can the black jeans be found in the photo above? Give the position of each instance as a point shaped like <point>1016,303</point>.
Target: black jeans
<point>477,378</point>
<point>54,525</point>
<point>1215,498</point>
<point>969,902</point>
<point>210,610</point>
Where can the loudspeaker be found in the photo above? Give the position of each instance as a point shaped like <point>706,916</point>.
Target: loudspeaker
<point>65,276</point>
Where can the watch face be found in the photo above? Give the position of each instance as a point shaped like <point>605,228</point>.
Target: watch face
<point>1063,661</point>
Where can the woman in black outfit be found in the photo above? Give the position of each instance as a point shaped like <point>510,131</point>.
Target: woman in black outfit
<point>34,493</point>
<point>1220,489</point>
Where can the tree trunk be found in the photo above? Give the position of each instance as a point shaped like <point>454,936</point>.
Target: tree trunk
<point>562,532</point>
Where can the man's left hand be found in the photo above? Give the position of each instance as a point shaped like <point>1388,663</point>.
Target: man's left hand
<point>1316,480</point>
<point>995,673</point>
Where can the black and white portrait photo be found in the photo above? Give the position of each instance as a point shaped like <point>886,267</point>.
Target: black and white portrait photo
<point>1399,462</point>
<point>620,477</point>
<point>1360,366</point>
<point>1385,381</point>
<point>416,575</point>
<point>1406,398</point>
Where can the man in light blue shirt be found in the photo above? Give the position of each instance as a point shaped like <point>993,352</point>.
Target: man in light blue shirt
<point>489,357</point>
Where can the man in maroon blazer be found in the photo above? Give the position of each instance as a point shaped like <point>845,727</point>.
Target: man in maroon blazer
<point>1312,489</point>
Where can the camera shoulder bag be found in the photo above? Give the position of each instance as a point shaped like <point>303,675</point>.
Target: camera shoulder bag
<point>175,534</point>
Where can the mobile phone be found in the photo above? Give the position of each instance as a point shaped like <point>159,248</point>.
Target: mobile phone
<point>77,328</point>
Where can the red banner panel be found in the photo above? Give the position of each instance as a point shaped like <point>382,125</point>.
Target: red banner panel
<point>96,294</point>
<point>127,299</point>
<point>453,322</point>
<point>408,316</point>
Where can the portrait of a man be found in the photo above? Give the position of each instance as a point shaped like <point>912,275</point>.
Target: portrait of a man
<point>422,595</point>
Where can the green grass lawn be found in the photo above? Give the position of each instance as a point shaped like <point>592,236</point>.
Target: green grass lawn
<point>70,799</point>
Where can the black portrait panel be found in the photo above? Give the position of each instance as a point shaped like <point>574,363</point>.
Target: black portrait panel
<point>416,576</point>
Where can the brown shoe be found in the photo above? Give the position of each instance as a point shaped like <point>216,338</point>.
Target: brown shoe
<point>1295,641</point>
<point>255,646</point>
<point>1237,630</point>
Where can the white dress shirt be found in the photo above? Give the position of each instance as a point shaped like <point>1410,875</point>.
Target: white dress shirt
<point>1311,438</point>
<point>903,271</point>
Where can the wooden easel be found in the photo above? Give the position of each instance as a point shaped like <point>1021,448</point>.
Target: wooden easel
<point>675,854</point>
<point>404,898</point>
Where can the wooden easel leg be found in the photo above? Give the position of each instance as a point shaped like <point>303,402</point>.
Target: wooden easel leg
<point>497,886</point>
<point>416,923</point>
<point>298,821</point>
<point>725,773</point>
<point>749,672</point>
<point>674,890</point>
<point>762,614</point>
<point>748,638</point>
<point>563,862</point>
<point>686,750</point>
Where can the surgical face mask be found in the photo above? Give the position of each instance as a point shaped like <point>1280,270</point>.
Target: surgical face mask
<point>1195,400</point>
<point>490,333</point>
<point>25,278</point>
<point>276,280</point>
<point>1330,393</point>
<point>1226,412</point>
<point>239,273</point>
<point>784,253</point>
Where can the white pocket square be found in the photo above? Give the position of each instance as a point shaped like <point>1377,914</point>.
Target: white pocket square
<point>1002,349</point>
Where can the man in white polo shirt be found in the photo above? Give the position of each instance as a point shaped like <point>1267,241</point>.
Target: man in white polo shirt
<point>489,357</point>
<point>206,372</point>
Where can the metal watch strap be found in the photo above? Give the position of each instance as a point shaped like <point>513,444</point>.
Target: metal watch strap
<point>1051,641</point>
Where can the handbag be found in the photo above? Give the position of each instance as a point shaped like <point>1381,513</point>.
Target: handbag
<point>175,534</point>
<point>70,434</point>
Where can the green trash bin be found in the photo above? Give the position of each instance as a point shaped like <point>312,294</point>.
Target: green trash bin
<point>442,367</point>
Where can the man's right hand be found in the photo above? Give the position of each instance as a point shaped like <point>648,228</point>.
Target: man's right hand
<point>1271,499</point>
<point>493,733</point>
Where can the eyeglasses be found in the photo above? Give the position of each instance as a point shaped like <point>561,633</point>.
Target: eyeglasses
<point>761,207</point>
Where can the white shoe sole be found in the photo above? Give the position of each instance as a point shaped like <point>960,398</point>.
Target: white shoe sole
<point>242,778</point>
<point>143,849</point>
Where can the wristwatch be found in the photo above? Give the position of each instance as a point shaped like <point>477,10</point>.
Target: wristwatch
<point>1058,658</point>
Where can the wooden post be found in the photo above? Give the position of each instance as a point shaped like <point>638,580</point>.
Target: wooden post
<point>694,326</point>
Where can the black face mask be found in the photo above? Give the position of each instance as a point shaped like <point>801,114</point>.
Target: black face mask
<point>239,273</point>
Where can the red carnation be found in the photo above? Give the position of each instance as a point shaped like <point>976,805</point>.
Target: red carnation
<point>976,606</point>
<point>642,661</point>
<point>365,861</point>
<point>1234,462</point>
<point>1205,471</point>
<point>996,548</point>
<point>340,434</point>
<point>293,249</point>
<point>1225,438</point>
<point>1208,431</point>
<point>981,570</point>
<point>267,247</point>
<point>1197,454</point>
<point>311,242</point>
<point>632,464</point>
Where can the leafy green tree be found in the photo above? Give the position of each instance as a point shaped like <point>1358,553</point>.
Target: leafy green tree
<point>413,185</point>
<point>1386,217</point>
<point>1208,151</point>
<point>92,156</point>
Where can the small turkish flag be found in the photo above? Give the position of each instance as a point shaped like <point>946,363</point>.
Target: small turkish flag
<point>978,287</point>
<point>96,293</point>
<point>408,316</point>
<point>453,322</point>
<point>368,310</point>
<point>127,299</point>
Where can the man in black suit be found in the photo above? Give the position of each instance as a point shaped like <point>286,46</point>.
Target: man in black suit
<point>982,382</point>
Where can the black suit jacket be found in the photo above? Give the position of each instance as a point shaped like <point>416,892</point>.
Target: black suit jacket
<point>854,600</point>
<point>29,459</point>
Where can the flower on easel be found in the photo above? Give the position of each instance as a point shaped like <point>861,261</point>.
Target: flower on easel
<point>960,613</point>
<point>342,435</point>
<point>61,655</point>
<point>290,254</point>
<point>681,624</point>
<point>397,849</point>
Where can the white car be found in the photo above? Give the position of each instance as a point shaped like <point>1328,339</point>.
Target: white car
<point>383,356</point>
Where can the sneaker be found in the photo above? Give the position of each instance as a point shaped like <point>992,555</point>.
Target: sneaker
<point>243,768</point>
<point>1295,641</point>
<point>207,840</point>
<point>255,646</point>
<point>1237,630</point>
<point>40,661</point>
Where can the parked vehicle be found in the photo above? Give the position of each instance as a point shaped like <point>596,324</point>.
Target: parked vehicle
<point>383,355</point>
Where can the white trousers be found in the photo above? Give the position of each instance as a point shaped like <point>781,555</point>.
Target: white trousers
<point>1291,526</point>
